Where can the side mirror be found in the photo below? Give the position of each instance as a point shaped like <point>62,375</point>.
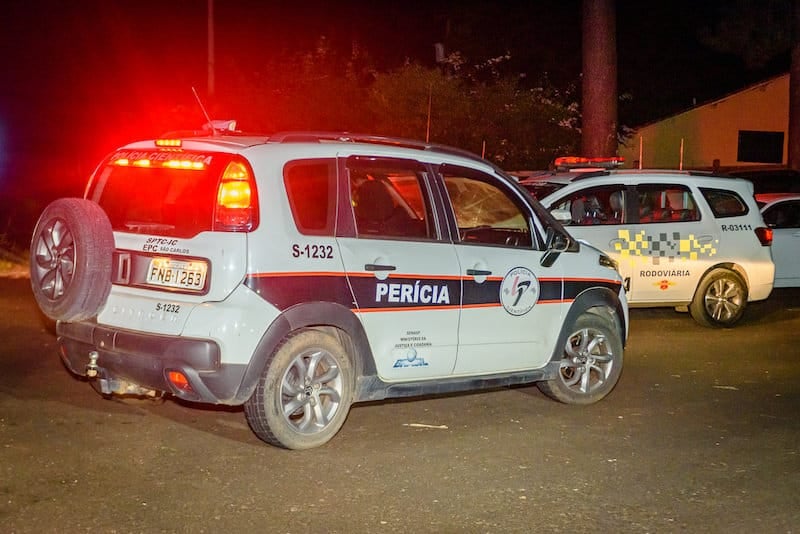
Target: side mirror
<point>556,243</point>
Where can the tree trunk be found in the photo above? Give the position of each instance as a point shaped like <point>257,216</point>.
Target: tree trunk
<point>599,89</point>
<point>793,138</point>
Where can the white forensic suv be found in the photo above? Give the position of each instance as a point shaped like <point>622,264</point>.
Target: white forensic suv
<point>298,273</point>
<point>683,239</point>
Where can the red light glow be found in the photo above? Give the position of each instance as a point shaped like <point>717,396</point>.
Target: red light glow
<point>184,164</point>
<point>170,164</point>
<point>169,142</point>
<point>578,161</point>
<point>235,198</point>
<point>179,380</point>
<point>764,236</point>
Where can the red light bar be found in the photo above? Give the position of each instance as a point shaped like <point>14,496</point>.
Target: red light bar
<point>575,162</point>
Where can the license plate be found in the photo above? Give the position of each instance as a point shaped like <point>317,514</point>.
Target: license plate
<point>167,272</point>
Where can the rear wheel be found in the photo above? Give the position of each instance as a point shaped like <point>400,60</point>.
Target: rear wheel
<point>304,394</point>
<point>591,362</point>
<point>720,299</point>
<point>70,259</point>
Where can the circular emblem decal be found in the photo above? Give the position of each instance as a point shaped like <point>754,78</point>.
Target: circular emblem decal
<point>519,291</point>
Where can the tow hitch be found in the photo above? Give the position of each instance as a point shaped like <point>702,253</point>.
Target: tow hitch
<point>91,368</point>
<point>107,385</point>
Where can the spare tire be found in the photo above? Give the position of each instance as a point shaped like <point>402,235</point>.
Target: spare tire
<point>70,259</point>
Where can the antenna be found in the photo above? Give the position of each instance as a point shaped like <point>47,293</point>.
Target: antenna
<point>428,127</point>
<point>205,113</point>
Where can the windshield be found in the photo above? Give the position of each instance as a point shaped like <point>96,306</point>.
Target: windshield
<point>540,189</point>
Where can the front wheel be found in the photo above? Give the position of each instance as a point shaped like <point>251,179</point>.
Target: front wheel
<point>591,362</point>
<point>304,394</point>
<point>720,299</point>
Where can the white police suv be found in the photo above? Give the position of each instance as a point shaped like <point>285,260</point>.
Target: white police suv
<point>298,273</point>
<point>682,239</point>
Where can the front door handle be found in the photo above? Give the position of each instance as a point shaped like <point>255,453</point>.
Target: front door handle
<point>478,272</point>
<point>372,267</point>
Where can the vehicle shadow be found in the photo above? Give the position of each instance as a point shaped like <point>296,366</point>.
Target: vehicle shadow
<point>782,305</point>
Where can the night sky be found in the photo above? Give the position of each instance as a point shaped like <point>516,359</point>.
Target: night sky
<point>81,77</point>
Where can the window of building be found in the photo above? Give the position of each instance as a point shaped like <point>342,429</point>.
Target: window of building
<point>760,147</point>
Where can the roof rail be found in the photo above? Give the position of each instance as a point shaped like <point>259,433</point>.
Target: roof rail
<point>582,175</point>
<point>348,137</point>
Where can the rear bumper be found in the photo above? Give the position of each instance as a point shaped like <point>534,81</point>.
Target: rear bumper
<point>760,292</point>
<point>146,359</point>
<point>761,278</point>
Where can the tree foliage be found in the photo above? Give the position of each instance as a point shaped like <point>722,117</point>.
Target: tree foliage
<point>515,127</point>
<point>474,106</point>
<point>754,31</point>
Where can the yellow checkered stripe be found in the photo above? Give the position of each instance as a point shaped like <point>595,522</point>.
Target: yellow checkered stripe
<point>669,245</point>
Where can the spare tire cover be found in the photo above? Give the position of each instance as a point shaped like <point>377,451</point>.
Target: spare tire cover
<point>70,259</point>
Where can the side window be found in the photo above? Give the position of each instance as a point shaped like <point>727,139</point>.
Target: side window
<point>486,212</point>
<point>311,188</point>
<point>784,215</point>
<point>724,203</point>
<point>666,203</point>
<point>389,199</point>
<point>596,205</point>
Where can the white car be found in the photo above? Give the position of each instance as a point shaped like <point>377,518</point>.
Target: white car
<point>298,273</point>
<point>781,211</point>
<point>680,239</point>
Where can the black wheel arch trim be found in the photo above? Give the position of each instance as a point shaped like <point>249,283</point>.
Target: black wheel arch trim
<point>591,298</point>
<point>310,315</point>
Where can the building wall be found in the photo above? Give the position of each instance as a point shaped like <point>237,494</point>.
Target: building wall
<point>711,131</point>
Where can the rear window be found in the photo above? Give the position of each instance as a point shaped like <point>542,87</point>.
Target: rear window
<point>158,199</point>
<point>784,215</point>
<point>311,188</point>
<point>724,203</point>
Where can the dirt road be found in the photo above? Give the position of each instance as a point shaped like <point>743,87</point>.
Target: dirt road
<point>702,434</point>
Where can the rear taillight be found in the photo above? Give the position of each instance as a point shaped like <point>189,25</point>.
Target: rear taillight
<point>236,200</point>
<point>764,235</point>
